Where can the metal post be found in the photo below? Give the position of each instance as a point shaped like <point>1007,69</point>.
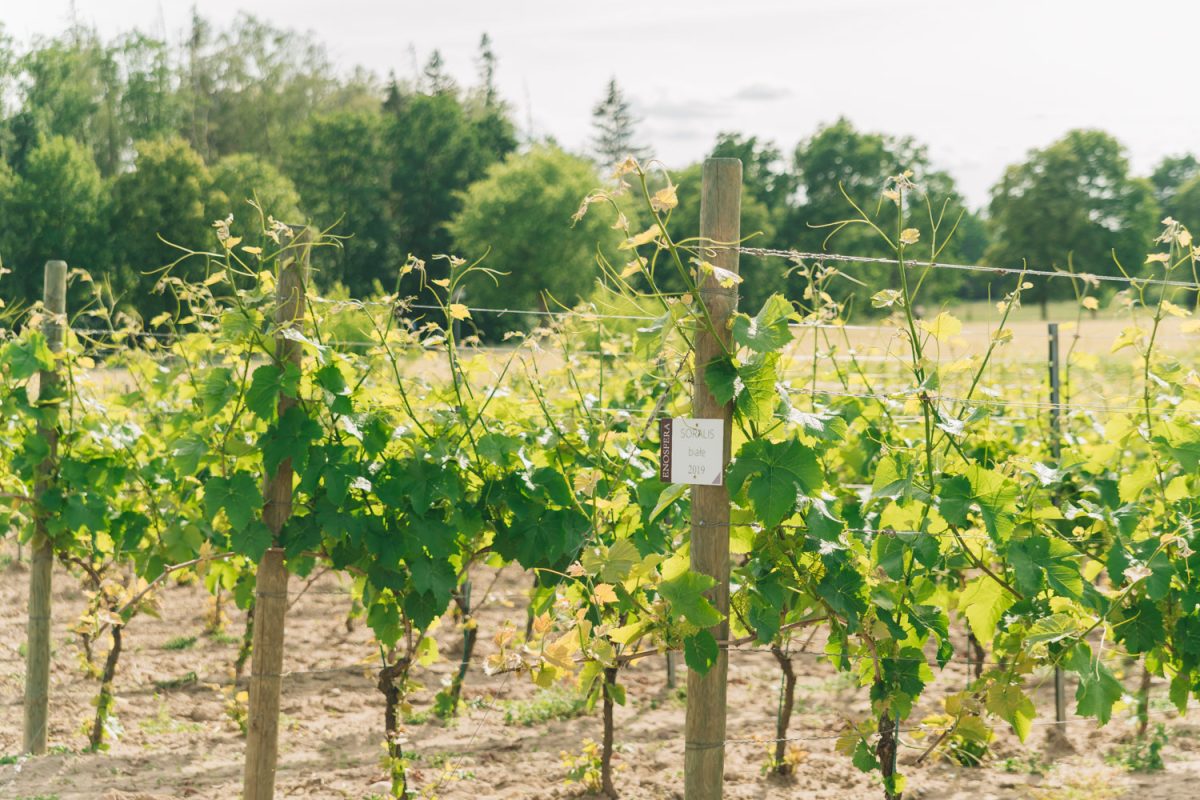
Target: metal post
<point>1060,700</point>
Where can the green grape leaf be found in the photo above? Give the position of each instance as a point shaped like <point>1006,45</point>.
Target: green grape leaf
<point>864,757</point>
<point>774,474</point>
<point>1098,689</point>
<point>238,495</point>
<point>954,500</point>
<point>252,540</point>
<point>984,603</point>
<point>685,593</point>
<point>842,588</point>
<point>750,386</point>
<point>217,389</point>
<point>266,385</point>
<point>997,498</point>
<point>289,437</point>
<point>700,652</point>
<point>1007,701</point>
<point>1053,628</point>
<point>892,478</point>
<point>766,331</point>
<point>1141,627</point>
<point>1134,481</point>
<point>27,355</point>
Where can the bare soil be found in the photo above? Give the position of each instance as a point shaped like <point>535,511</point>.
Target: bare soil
<point>182,743</point>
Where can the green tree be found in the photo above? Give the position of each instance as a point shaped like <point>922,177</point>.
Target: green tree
<point>1170,175</point>
<point>104,95</point>
<point>614,129</point>
<point>1185,205</point>
<point>54,210</point>
<point>435,78</point>
<point>840,162</point>
<point>246,88</point>
<point>521,212</point>
<point>338,164</point>
<point>1074,199</point>
<point>168,196</point>
<point>765,173</point>
<point>242,177</point>
<point>434,147</point>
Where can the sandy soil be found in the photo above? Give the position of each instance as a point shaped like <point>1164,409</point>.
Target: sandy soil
<point>181,743</point>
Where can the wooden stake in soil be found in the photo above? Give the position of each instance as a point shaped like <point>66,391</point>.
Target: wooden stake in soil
<point>270,602</point>
<point>720,222</point>
<point>37,659</point>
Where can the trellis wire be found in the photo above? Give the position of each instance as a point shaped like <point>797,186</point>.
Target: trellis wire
<point>796,255</point>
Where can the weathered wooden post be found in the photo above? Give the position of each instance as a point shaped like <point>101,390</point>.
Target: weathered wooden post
<point>37,653</point>
<point>720,223</point>
<point>270,603</point>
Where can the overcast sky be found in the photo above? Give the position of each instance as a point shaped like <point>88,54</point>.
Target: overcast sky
<point>979,82</point>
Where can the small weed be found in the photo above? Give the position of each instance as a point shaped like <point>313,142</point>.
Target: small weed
<point>1143,754</point>
<point>417,717</point>
<point>163,723</point>
<point>223,638</point>
<point>1099,784</point>
<point>548,704</point>
<point>792,758</point>
<point>237,707</point>
<point>180,643</point>
<point>187,679</point>
<point>1026,765</point>
<point>583,768</point>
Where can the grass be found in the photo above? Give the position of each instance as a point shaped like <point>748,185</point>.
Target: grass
<point>180,643</point>
<point>1099,784</point>
<point>548,704</point>
<point>187,679</point>
<point>221,637</point>
<point>163,723</point>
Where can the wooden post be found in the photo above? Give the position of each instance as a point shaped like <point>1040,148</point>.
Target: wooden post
<point>1060,689</point>
<point>37,651</point>
<point>720,223</point>
<point>270,603</point>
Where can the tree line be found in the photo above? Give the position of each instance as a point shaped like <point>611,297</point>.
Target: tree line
<point>114,151</point>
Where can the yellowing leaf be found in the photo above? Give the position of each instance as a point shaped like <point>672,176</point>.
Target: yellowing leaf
<point>231,242</point>
<point>725,278</point>
<point>459,311</point>
<point>1090,303</point>
<point>633,267</point>
<point>442,282</point>
<point>942,327</point>
<point>1174,310</point>
<point>1129,337</point>
<point>910,236</point>
<point>604,593</point>
<point>645,237</point>
<point>216,277</point>
<point>664,199</point>
<point>255,251</point>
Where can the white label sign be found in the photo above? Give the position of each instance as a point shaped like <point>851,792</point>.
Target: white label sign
<point>691,451</point>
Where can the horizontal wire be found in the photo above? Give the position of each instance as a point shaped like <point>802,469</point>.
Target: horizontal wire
<point>796,255</point>
<point>919,729</point>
